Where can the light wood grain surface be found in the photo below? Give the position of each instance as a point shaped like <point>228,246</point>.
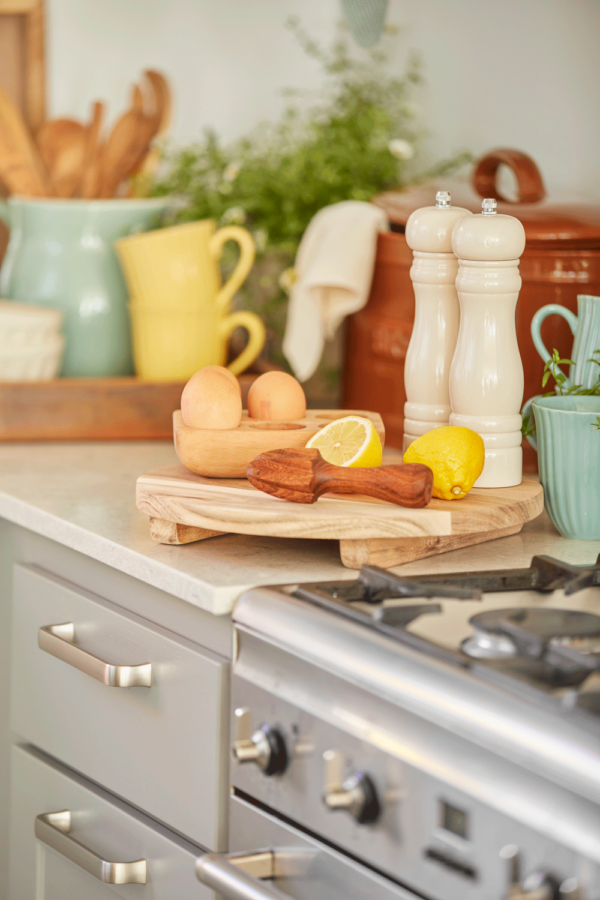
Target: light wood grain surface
<point>80,409</point>
<point>234,506</point>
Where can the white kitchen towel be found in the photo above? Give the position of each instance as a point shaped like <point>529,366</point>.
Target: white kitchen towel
<point>334,269</point>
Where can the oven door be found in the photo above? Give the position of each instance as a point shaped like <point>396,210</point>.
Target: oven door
<point>269,860</point>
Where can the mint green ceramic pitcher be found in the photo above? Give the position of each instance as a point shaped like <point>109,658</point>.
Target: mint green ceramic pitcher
<point>61,255</point>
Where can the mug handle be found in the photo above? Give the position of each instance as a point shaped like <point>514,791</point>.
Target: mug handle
<point>525,411</point>
<point>256,337</point>
<point>552,309</point>
<point>5,212</point>
<point>245,262</point>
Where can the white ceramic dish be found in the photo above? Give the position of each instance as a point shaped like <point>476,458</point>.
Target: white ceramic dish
<point>22,325</point>
<point>38,362</point>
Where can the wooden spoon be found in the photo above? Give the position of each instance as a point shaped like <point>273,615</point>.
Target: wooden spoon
<point>62,144</point>
<point>123,149</point>
<point>303,475</point>
<point>162,113</point>
<point>137,99</point>
<point>21,168</point>
<point>129,143</point>
<point>150,128</point>
<point>94,153</point>
<point>162,98</point>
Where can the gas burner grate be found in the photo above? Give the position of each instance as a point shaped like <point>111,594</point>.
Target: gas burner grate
<point>374,585</point>
<point>545,574</point>
<point>563,643</point>
<point>363,601</point>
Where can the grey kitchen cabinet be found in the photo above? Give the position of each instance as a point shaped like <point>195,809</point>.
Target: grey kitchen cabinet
<point>154,759</point>
<point>99,825</point>
<point>158,746</point>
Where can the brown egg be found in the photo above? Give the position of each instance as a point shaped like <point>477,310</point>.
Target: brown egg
<point>224,371</point>
<point>212,399</point>
<point>276,396</point>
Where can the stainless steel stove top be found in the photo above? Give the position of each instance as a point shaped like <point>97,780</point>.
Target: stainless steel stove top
<point>538,626</point>
<point>443,733</point>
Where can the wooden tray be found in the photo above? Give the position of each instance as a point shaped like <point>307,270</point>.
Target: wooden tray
<point>82,409</point>
<point>227,454</point>
<point>185,508</point>
<point>92,409</point>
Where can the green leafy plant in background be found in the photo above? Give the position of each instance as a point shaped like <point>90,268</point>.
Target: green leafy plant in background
<point>551,370</point>
<point>360,137</point>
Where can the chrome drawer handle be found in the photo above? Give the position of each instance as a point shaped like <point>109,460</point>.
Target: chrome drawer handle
<point>53,830</point>
<point>237,875</point>
<point>59,641</point>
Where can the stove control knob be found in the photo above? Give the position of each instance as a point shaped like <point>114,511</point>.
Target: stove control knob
<point>356,794</point>
<point>537,886</point>
<point>264,747</point>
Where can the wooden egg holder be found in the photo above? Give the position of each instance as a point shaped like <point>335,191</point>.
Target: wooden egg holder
<point>227,453</point>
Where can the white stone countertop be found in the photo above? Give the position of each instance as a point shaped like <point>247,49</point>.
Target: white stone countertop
<point>83,496</point>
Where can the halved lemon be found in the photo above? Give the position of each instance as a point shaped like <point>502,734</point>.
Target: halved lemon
<point>351,441</point>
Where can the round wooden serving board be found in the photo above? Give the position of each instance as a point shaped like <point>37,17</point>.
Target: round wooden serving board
<point>369,531</point>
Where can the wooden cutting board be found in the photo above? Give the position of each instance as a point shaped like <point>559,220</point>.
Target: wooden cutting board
<point>184,507</point>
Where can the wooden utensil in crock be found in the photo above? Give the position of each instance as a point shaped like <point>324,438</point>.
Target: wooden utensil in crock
<point>62,146</point>
<point>94,152</point>
<point>21,169</point>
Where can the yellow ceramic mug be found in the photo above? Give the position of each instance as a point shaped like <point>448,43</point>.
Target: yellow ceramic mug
<point>179,309</point>
<point>179,266</point>
<point>170,344</point>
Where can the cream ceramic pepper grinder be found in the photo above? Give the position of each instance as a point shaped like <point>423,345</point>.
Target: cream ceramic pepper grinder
<point>486,378</point>
<point>437,314</point>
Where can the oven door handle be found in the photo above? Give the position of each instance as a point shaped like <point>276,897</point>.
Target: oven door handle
<point>239,876</point>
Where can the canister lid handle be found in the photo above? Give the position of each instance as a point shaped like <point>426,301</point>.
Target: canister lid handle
<point>530,184</point>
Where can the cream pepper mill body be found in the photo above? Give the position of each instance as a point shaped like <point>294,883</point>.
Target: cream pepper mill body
<point>486,378</point>
<point>437,315</point>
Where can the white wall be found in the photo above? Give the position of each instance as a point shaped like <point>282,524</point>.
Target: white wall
<point>515,73</point>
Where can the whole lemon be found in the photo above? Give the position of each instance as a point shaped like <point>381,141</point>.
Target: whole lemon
<point>455,456</point>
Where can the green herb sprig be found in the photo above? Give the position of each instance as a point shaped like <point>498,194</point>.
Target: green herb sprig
<point>551,369</point>
<point>356,137</point>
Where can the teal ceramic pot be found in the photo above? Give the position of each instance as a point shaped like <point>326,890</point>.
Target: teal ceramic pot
<point>569,461</point>
<point>60,254</point>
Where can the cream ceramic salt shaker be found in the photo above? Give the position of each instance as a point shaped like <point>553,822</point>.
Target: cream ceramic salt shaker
<point>486,377</point>
<point>437,315</point>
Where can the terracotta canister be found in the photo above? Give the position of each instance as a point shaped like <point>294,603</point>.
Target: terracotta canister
<point>377,337</point>
<point>561,260</point>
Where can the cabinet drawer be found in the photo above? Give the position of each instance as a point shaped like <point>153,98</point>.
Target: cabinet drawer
<point>99,824</point>
<point>163,748</point>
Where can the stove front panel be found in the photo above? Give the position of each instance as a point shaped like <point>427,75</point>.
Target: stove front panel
<point>448,806</point>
